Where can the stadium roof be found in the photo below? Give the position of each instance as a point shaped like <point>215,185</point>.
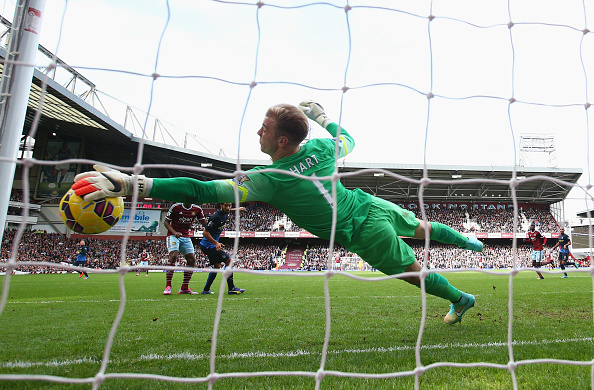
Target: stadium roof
<point>71,115</point>
<point>402,182</point>
<point>67,112</point>
<point>467,183</point>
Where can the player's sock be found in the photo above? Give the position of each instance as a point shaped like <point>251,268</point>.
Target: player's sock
<point>438,285</point>
<point>211,277</point>
<point>445,234</point>
<point>540,275</point>
<point>230,284</point>
<point>169,275</point>
<point>186,281</point>
<point>563,269</point>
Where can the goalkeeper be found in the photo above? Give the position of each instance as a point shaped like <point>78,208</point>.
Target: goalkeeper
<point>366,225</point>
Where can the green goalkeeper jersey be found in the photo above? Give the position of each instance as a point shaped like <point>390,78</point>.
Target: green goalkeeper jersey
<point>308,202</point>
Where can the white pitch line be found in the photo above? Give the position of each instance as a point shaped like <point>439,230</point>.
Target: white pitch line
<point>245,298</point>
<point>289,354</point>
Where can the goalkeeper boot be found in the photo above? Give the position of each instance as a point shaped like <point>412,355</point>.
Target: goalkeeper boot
<point>458,309</point>
<point>474,244</point>
<point>167,290</point>
<point>188,291</point>
<point>236,290</point>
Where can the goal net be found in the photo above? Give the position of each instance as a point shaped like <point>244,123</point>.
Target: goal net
<point>424,82</point>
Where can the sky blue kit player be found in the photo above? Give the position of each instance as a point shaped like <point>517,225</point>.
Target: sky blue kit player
<point>214,249</point>
<point>563,242</point>
<point>81,257</point>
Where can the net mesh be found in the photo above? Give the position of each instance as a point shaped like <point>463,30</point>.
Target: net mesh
<point>330,50</point>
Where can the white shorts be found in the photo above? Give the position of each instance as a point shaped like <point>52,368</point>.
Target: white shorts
<point>144,263</point>
<point>537,256</point>
<point>183,245</point>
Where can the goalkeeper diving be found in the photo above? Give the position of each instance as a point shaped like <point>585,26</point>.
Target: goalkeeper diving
<point>365,224</point>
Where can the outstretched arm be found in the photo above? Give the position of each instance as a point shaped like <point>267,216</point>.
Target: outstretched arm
<point>104,182</point>
<point>185,190</point>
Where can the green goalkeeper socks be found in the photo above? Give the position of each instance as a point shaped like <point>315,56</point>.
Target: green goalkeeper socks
<point>437,285</point>
<point>446,235</point>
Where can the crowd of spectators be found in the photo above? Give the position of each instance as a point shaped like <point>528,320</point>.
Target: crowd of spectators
<point>106,254</point>
<point>498,256</point>
<point>16,196</point>
<point>496,221</point>
<point>38,246</point>
<point>263,217</point>
<point>493,256</point>
<point>547,222</point>
<point>257,256</point>
<point>316,256</point>
<point>491,220</point>
<point>257,217</point>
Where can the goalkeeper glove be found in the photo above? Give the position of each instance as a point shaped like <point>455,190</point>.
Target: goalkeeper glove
<point>105,182</point>
<point>315,112</point>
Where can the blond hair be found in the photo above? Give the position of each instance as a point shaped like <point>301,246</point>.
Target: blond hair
<point>290,121</point>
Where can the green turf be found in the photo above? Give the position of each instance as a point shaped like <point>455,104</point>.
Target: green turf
<point>58,325</point>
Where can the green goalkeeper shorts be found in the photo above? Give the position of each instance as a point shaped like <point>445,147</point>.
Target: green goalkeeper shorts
<point>377,241</point>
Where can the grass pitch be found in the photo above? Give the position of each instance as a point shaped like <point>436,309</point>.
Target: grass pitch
<point>58,325</point>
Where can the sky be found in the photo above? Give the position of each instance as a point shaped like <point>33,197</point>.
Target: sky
<point>220,65</point>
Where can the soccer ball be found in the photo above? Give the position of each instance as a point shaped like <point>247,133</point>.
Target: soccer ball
<point>90,217</point>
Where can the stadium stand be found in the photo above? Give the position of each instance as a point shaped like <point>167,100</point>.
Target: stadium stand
<point>292,253</point>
